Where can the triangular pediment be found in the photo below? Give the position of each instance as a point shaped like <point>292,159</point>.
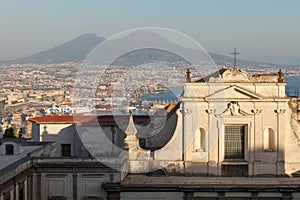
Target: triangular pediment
<point>234,92</point>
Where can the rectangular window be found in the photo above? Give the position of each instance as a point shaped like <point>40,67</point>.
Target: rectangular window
<point>65,150</point>
<point>9,149</point>
<point>234,139</point>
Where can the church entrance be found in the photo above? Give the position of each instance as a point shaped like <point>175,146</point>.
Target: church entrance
<point>234,151</point>
<point>234,142</point>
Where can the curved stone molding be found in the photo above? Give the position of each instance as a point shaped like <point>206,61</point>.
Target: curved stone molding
<point>235,74</point>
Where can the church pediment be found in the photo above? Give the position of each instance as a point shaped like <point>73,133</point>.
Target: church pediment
<point>234,92</point>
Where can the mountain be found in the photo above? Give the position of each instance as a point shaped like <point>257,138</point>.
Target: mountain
<point>145,46</point>
<point>71,51</point>
<point>77,49</point>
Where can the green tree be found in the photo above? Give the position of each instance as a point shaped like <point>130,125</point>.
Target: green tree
<point>11,133</point>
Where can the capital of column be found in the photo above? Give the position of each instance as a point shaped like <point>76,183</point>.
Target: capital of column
<point>256,111</point>
<point>187,111</point>
<point>280,111</point>
<point>210,111</point>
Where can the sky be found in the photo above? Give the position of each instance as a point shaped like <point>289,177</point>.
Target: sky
<point>262,30</point>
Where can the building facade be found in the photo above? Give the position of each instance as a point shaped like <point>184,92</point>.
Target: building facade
<point>237,125</point>
<point>236,138</point>
<point>16,181</point>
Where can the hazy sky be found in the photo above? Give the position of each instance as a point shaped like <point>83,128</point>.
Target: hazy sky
<point>262,30</point>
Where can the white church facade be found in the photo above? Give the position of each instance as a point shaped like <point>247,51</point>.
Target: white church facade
<point>239,125</point>
<point>236,138</point>
<point>231,124</point>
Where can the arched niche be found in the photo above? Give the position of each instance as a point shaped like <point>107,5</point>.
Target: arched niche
<point>269,139</point>
<point>200,139</point>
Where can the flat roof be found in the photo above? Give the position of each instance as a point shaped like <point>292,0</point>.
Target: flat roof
<point>144,183</point>
<point>143,180</point>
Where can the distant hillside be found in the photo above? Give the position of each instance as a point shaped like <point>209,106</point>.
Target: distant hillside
<point>143,56</point>
<point>77,49</point>
<point>71,51</point>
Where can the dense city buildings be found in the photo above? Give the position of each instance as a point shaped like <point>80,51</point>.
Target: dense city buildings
<point>29,90</point>
<point>231,135</point>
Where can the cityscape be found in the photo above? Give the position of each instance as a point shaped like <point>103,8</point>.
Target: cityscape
<point>31,90</point>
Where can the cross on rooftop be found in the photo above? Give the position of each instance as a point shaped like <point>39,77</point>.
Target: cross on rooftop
<point>234,53</point>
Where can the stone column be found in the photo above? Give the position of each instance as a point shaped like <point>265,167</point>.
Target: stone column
<point>11,194</point>
<point>1,196</point>
<point>221,144</point>
<point>187,133</point>
<point>256,142</point>
<point>281,129</point>
<point>187,143</point>
<point>211,163</point>
<point>16,191</point>
<point>213,142</point>
<point>25,189</point>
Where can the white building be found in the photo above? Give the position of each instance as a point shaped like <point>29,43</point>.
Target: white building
<point>236,138</point>
<point>239,125</point>
<point>15,167</point>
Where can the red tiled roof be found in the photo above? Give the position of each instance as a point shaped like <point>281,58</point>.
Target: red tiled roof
<point>171,107</point>
<point>60,119</point>
<point>103,119</point>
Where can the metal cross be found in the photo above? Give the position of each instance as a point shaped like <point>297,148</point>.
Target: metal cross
<point>234,53</point>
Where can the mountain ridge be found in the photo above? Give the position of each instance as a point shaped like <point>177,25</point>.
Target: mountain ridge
<point>77,49</point>
<point>83,44</point>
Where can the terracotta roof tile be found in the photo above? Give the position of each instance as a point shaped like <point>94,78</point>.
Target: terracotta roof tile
<point>103,119</point>
<point>171,107</point>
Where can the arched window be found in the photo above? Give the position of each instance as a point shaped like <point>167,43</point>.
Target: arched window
<point>269,140</point>
<point>9,149</point>
<point>199,140</point>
